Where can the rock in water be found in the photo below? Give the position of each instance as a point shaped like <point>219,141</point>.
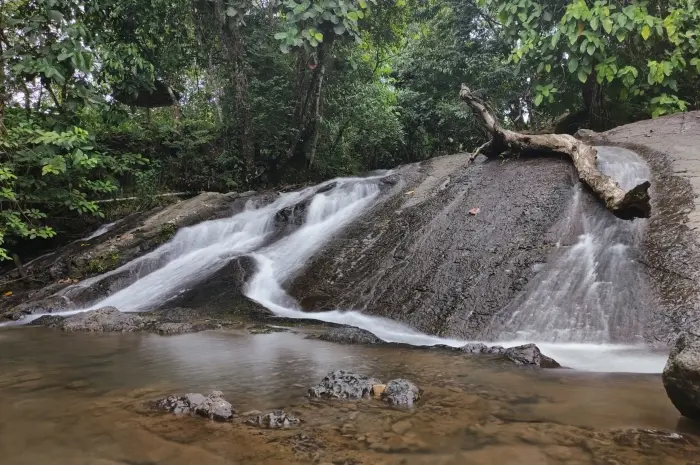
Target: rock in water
<point>274,420</point>
<point>529,354</point>
<point>681,375</point>
<point>349,335</point>
<point>474,348</point>
<point>103,319</point>
<point>213,406</point>
<point>343,384</point>
<point>401,393</point>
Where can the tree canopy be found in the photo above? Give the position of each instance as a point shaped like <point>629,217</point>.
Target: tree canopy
<point>107,98</point>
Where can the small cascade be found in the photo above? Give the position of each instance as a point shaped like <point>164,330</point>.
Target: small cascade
<point>593,291</point>
<point>581,310</point>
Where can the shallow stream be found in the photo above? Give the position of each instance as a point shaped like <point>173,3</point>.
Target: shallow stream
<point>79,399</point>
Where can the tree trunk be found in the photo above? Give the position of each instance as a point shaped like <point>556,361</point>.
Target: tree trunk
<point>316,119</point>
<point>594,99</point>
<point>627,205</point>
<point>3,87</point>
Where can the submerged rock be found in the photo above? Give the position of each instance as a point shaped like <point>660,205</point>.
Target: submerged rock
<point>401,393</point>
<point>277,419</point>
<point>213,406</point>
<point>529,354</point>
<point>681,375</point>
<point>106,319</point>
<point>341,384</point>
<point>349,335</point>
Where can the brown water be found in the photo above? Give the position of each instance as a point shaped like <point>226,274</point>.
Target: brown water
<point>79,399</point>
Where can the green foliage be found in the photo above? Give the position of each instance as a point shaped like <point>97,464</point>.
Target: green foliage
<point>638,51</point>
<point>306,24</point>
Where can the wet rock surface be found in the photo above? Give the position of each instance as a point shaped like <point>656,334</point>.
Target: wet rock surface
<point>671,245</point>
<point>401,393</point>
<point>343,384</point>
<point>107,319</point>
<point>529,354</point>
<point>132,237</point>
<point>277,419</point>
<point>348,335</point>
<point>420,258</point>
<point>213,406</point>
<point>56,303</point>
<point>681,375</point>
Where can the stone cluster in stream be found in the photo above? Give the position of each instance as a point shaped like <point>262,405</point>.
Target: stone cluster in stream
<point>341,384</point>
<point>338,384</point>
<point>213,406</point>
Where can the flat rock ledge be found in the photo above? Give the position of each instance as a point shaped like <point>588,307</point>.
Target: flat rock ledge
<point>341,384</point>
<point>681,375</point>
<point>110,319</point>
<point>213,406</point>
<point>526,355</point>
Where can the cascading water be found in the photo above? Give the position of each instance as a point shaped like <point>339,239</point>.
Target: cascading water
<point>594,290</point>
<point>593,274</point>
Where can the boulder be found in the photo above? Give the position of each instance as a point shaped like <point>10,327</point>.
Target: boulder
<point>474,348</point>
<point>341,384</point>
<point>681,375</point>
<point>277,419</point>
<point>529,354</point>
<point>349,335</point>
<point>401,393</point>
<point>213,406</point>
<point>107,319</point>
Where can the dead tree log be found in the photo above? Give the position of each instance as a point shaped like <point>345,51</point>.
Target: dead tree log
<point>623,204</point>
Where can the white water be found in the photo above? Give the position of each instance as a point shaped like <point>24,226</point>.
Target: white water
<point>594,290</point>
<point>199,251</point>
<point>104,229</point>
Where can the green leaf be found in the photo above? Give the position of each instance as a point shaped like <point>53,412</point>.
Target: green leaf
<point>572,64</point>
<point>56,16</point>
<point>555,38</point>
<point>363,4</point>
<point>607,25</point>
<point>231,12</point>
<point>620,35</point>
<point>591,49</point>
<point>538,99</point>
<point>280,35</point>
<point>339,29</point>
<point>318,36</point>
<point>547,16</point>
<point>582,76</point>
<point>646,32</point>
<point>594,23</point>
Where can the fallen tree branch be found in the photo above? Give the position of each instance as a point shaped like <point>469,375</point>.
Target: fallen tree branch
<point>124,199</point>
<point>623,204</point>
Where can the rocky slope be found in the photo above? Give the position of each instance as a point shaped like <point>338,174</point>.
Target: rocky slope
<point>422,258</point>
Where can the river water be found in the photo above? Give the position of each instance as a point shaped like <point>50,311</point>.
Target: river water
<point>79,399</point>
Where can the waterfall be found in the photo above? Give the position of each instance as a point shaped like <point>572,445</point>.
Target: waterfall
<point>594,290</point>
<point>576,311</point>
